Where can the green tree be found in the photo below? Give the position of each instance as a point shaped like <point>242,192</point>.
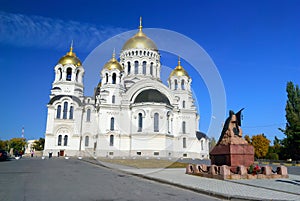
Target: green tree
<point>277,147</point>
<point>18,144</point>
<point>3,144</point>
<point>247,138</point>
<point>261,145</point>
<point>38,145</point>
<point>291,142</point>
<point>212,143</point>
<point>275,151</point>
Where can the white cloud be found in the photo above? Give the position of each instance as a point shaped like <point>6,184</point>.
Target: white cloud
<point>43,32</point>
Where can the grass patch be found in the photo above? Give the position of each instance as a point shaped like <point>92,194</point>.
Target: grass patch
<point>145,163</point>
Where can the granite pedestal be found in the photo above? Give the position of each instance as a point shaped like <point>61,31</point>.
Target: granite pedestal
<point>232,155</point>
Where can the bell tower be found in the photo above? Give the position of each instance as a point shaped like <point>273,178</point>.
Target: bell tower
<point>66,106</point>
<point>68,76</point>
<point>179,81</point>
<point>112,82</point>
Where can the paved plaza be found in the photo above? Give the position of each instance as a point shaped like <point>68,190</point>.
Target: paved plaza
<point>258,189</point>
<point>89,179</point>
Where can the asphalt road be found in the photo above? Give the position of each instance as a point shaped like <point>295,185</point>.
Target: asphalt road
<point>60,179</point>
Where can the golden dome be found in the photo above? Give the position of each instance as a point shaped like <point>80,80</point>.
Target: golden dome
<point>179,71</point>
<point>70,58</point>
<point>139,41</point>
<point>113,64</point>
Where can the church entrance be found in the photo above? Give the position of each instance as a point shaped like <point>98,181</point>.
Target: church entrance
<point>61,153</point>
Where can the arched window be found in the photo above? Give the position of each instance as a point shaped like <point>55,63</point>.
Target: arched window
<point>182,84</point>
<point>59,140</point>
<point>184,142</point>
<point>113,99</point>
<point>69,74</point>
<point>183,104</point>
<point>202,145</point>
<point>151,68</point>
<point>183,127</point>
<point>58,112</point>
<point>86,142</point>
<point>71,112</point>
<point>66,140</point>
<point>88,115</point>
<point>140,122</point>
<point>106,78</point>
<point>114,78</point>
<point>144,67</point>
<point>65,112</point>
<point>77,75</point>
<point>176,84</point>
<point>136,67</point>
<point>168,122</point>
<point>112,124</point>
<point>129,67</point>
<point>60,74</point>
<point>111,140</point>
<point>156,122</point>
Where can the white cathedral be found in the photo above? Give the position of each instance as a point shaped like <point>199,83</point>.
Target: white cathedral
<point>132,113</point>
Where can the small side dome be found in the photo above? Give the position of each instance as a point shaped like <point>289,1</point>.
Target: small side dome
<point>70,58</point>
<point>139,41</point>
<point>179,71</point>
<point>113,64</point>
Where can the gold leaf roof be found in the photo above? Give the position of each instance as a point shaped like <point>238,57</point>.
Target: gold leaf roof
<point>113,64</point>
<point>179,71</point>
<point>140,41</point>
<point>70,58</point>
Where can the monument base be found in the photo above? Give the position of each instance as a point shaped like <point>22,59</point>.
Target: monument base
<point>232,155</point>
<point>225,172</point>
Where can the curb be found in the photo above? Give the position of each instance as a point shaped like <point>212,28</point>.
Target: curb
<point>198,190</point>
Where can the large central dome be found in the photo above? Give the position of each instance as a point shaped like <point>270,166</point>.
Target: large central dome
<point>139,41</point>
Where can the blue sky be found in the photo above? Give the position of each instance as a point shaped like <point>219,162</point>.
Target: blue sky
<point>255,46</point>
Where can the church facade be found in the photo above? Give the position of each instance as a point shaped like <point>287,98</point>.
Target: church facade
<point>132,113</point>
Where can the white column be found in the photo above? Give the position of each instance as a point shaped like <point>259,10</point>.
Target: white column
<point>118,78</point>
<point>73,74</point>
<point>64,75</point>
<point>109,78</point>
<point>80,75</point>
<point>140,71</point>
<point>56,75</point>
<point>158,71</point>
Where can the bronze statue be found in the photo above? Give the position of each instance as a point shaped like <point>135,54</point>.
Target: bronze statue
<point>232,132</point>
